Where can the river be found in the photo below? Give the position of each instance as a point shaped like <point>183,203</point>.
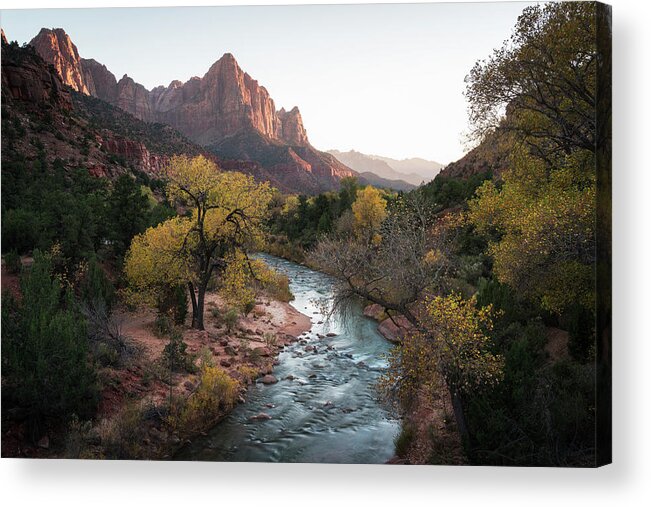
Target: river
<point>330,412</point>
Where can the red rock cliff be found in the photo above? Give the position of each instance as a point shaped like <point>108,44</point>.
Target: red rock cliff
<point>30,80</point>
<point>226,110</point>
<point>225,101</point>
<point>55,47</point>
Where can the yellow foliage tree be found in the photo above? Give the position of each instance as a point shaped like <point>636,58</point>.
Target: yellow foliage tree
<point>543,228</point>
<point>452,345</point>
<point>225,213</point>
<point>369,210</point>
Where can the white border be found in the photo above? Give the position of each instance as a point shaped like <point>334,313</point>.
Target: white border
<point>52,483</point>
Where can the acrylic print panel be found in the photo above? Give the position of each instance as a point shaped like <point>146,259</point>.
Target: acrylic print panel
<point>336,234</point>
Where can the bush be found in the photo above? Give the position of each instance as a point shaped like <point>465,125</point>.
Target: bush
<point>248,373</point>
<point>174,302</point>
<point>248,307</point>
<point>95,287</point>
<point>12,262</point>
<point>162,325</point>
<point>20,229</point>
<point>270,339</point>
<point>106,355</point>
<point>230,319</point>
<point>278,288</point>
<point>217,392</point>
<point>45,355</point>
<point>175,356</point>
<point>123,434</point>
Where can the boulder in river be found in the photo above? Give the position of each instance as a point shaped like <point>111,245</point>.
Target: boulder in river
<point>262,416</point>
<point>269,379</point>
<point>394,331</point>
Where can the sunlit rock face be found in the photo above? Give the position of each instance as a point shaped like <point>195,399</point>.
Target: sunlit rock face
<point>226,110</point>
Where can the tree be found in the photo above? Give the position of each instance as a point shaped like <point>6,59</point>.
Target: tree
<point>412,256</point>
<point>542,229</point>
<point>128,209</point>
<point>45,354</point>
<point>453,344</point>
<point>541,85</point>
<point>225,214</point>
<point>369,210</point>
<point>408,271</point>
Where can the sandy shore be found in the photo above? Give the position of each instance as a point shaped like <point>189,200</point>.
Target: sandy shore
<point>271,326</point>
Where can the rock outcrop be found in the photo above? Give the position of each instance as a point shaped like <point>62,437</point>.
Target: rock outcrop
<point>491,155</point>
<point>99,80</point>
<point>395,330</point>
<point>134,153</point>
<point>55,47</point>
<point>226,109</point>
<point>292,130</point>
<point>25,77</point>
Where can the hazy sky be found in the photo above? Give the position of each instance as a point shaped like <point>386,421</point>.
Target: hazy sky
<point>382,79</point>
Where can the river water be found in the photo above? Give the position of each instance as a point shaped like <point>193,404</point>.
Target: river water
<point>330,412</point>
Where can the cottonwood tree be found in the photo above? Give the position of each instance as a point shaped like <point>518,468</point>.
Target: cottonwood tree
<point>541,88</point>
<point>395,270</point>
<point>452,345</point>
<point>541,84</point>
<point>542,229</point>
<point>407,272</point>
<point>369,210</point>
<point>224,216</point>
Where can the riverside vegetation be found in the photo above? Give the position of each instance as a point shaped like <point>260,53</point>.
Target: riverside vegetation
<point>486,277</point>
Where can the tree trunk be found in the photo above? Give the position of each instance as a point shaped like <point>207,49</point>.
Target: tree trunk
<point>201,295</point>
<point>195,311</point>
<point>457,407</point>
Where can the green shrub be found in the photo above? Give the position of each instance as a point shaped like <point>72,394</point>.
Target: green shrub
<point>162,325</point>
<point>175,355</point>
<point>95,287</point>
<point>270,339</point>
<point>248,307</point>
<point>12,262</point>
<point>106,355</point>
<point>230,319</point>
<point>174,302</point>
<point>45,354</point>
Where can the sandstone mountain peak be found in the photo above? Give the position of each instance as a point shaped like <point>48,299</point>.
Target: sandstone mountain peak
<point>55,47</point>
<point>224,107</point>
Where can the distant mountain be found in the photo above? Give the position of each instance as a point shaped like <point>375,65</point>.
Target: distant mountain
<point>226,111</point>
<point>426,169</point>
<point>413,170</point>
<point>369,178</point>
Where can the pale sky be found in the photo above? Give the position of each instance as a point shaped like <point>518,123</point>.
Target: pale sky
<point>381,79</point>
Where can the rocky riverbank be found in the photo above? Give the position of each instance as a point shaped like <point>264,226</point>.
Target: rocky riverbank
<point>138,395</point>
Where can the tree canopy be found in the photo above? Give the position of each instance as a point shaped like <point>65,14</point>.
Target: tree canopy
<point>224,217</point>
<point>541,84</point>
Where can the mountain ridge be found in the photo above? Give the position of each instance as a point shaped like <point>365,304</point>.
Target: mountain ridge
<point>419,170</point>
<point>225,105</point>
